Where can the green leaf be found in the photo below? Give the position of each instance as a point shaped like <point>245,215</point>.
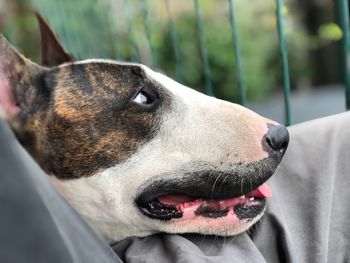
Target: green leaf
<point>330,32</point>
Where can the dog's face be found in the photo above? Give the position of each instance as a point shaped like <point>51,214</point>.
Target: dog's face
<point>137,153</point>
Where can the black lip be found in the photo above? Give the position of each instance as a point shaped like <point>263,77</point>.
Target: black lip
<point>208,183</point>
<point>156,210</point>
<point>200,184</point>
<point>249,212</point>
<point>211,183</point>
<point>207,211</point>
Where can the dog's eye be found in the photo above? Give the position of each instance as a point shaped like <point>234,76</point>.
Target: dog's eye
<point>142,98</point>
<point>146,97</point>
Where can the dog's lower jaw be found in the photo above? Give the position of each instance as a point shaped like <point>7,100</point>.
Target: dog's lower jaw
<point>113,231</point>
<point>113,224</point>
<point>206,226</point>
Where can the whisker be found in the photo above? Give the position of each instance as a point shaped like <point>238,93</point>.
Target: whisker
<point>202,240</point>
<point>232,240</point>
<point>213,188</point>
<point>223,181</point>
<point>242,185</point>
<point>212,244</point>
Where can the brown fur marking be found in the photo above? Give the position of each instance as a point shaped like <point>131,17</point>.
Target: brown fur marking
<point>90,123</point>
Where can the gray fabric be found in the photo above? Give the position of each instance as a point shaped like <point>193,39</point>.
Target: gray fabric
<point>307,218</point>
<point>36,223</point>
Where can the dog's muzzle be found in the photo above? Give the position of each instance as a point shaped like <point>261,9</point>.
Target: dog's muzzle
<point>215,192</point>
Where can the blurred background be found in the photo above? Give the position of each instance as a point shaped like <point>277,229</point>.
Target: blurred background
<point>164,35</point>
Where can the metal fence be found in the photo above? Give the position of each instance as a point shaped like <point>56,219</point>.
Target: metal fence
<point>343,17</point>
<point>342,11</point>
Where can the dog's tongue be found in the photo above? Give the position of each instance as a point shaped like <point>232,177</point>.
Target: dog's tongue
<point>263,191</point>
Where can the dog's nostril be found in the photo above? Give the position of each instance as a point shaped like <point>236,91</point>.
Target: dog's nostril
<point>277,137</point>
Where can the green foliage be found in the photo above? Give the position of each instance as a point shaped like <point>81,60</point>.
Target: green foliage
<point>82,26</point>
<point>258,44</point>
<point>116,29</point>
<point>20,28</point>
<point>330,32</point>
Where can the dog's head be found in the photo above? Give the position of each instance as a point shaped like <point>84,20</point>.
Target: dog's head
<point>136,152</point>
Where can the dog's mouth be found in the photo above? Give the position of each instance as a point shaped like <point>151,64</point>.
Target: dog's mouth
<point>237,193</point>
<point>182,206</point>
<point>210,199</point>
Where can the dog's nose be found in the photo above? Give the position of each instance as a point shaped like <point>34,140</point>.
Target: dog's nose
<point>277,137</point>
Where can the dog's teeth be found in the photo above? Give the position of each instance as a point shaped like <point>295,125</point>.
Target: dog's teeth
<point>242,197</point>
<point>251,199</point>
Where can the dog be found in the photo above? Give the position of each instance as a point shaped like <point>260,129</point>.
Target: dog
<point>135,152</point>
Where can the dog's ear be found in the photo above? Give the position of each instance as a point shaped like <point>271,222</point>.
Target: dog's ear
<point>19,89</point>
<point>52,52</point>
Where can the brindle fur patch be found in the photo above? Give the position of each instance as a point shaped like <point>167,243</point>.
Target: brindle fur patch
<point>90,123</point>
<point>77,119</point>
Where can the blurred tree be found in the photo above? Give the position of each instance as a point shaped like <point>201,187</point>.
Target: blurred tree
<point>18,25</point>
<point>116,29</point>
<point>324,55</point>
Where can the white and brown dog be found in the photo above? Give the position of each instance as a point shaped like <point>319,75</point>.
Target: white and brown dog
<point>135,152</point>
